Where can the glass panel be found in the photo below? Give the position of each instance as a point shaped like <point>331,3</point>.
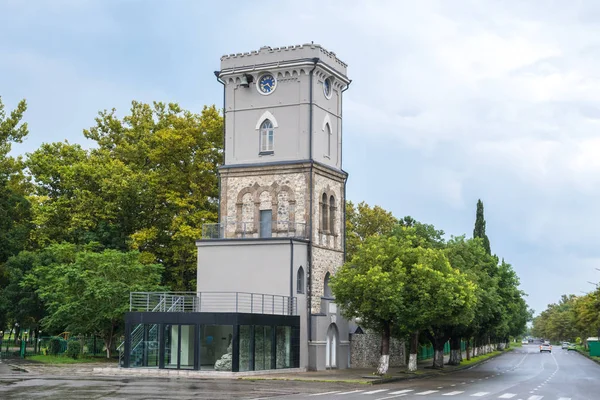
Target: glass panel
<point>188,342</point>
<point>262,347</point>
<point>245,347</point>
<point>215,347</point>
<point>136,346</point>
<point>151,345</point>
<point>284,347</point>
<point>171,344</point>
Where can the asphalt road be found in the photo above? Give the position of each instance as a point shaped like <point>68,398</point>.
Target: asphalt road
<point>523,374</point>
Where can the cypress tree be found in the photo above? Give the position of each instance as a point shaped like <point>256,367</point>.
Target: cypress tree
<point>479,230</point>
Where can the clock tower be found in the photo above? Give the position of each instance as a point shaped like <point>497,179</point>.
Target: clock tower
<point>282,182</point>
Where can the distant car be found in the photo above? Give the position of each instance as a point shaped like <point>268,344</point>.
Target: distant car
<point>546,347</point>
<point>565,345</point>
<point>524,341</point>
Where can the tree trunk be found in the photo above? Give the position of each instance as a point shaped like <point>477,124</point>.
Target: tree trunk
<point>455,356</point>
<point>468,348</point>
<point>414,348</point>
<point>384,360</point>
<point>438,339</point>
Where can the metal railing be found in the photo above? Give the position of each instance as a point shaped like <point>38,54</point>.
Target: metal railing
<point>242,230</point>
<point>242,302</point>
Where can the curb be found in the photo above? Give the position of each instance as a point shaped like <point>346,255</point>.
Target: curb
<point>586,355</point>
<point>18,368</point>
<point>436,372</point>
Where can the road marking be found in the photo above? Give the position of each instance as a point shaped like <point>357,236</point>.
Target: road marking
<point>376,391</point>
<point>426,392</point>
<point>322,394</point>
<point>479,394</point>
<point>507,396</point>
<point>564,398</point>
<point>536,398</point>
<point>354,391</point>
<point>452,393</point>
<point>391,397</point>
<point>402,391</point>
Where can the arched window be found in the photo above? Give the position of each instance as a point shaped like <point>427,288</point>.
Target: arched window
<point>266,136</point>
<point>324,214</point>
<point>326,288</point>
<point>328,138</point>
<point>332,215</point>
<point>300,280</point>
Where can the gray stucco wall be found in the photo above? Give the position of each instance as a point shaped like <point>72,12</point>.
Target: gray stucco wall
<point>251,266</point>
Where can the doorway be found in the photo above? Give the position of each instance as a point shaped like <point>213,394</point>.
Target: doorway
<point>331,345</point>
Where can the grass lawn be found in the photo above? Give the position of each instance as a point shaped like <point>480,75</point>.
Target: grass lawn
<point>479,358</point>
<point>68,360</point>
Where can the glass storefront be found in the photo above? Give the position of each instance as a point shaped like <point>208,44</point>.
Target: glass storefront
<point>212,347</point>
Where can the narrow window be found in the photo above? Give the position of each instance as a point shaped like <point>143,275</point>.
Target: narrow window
<point>266,136</point>
<point>326,288</point>
<point>300,280</point>
<point>324,218</point>
<point>331,215</point>
<point>328,138</point>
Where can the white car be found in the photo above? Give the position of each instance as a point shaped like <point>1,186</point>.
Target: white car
<point>565,345</point>
<point>546,347</point>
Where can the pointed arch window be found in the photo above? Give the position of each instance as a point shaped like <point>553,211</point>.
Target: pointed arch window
<point>328,138</point>
<point>332,214</point>
<point>267,137</point>
<point>324,213</point>
<point>300,280</point>
<point>326,288</point>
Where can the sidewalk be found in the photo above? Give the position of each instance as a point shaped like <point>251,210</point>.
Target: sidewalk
<point>350,375</point>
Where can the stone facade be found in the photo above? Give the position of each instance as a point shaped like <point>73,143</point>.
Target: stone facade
<point>365,349</point>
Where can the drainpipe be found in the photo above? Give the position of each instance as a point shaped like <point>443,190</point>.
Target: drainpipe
<point>341,153</point>
<point>217,73</point>
<point>311,190</point>
<point>291,268</point>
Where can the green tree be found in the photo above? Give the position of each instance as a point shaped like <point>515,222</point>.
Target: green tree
<point>149,185</point>
<point>479,230</point>
<point>87,292</point>
<point>363,221</point>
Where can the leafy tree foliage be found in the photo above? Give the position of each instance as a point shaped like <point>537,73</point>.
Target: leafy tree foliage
<point>87,292</point>
<point>149,185</point>
<point>572,318</point>
<point>363,221</point>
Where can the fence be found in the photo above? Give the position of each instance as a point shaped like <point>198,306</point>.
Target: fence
<point>90,346</point>
<point>426,352</point>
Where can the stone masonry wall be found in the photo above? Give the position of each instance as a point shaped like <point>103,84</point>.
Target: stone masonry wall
<point>365,350</point>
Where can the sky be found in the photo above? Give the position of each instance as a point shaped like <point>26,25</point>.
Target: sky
<point>450,102</point>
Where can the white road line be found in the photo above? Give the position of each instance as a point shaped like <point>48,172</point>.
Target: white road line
<point>426,392</point>
<point>323,394</point>
<point>391,397</point>
<point>507,396</point>
<point>452,393</point>
<point>479,394</point>
<point>536,398</point>
<point>564,398</point>
<point>376,391</point>
<point>402,391</point>
<point>354,391</point>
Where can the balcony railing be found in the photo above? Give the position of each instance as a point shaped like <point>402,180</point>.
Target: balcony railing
<point>216,302</point>
<point>242,230</point>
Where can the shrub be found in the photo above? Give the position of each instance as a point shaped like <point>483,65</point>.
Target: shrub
<point>54,346</point>
<point>73,349</point>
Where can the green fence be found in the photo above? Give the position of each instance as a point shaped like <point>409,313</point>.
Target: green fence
<point>91,346</point>
<point>426,352</point>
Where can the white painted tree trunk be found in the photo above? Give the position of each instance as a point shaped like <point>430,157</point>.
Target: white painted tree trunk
<point>438,359</point>
<point>384,363</point>
<point>454,357</point>
<point>412,362</point>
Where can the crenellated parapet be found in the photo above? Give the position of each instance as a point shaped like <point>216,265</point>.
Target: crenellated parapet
<point>269,57</point>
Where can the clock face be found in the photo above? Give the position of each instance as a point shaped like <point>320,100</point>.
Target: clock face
<point>327,87</point>
<point>266,84</point>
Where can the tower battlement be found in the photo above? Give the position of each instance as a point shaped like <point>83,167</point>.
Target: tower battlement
<point>282,55</point>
